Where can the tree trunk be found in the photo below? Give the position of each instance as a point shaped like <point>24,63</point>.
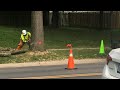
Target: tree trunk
<point>55,19</point>
<point>60,21</point>
<point>45,18</point>
<point>37,31</point>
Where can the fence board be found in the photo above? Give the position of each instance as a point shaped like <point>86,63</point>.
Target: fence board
<point>91,20</point>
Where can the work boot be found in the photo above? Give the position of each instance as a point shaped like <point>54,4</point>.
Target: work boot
<point>18,47</point>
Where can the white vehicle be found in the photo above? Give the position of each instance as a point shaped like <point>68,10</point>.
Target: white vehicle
<point>111,69</point>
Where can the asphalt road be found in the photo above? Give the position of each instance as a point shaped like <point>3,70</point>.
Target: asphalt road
<point>83,71</point>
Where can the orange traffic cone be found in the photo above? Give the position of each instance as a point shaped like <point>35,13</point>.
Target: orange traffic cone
<point>70,61</point>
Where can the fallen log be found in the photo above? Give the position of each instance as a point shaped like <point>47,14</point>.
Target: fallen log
<point>5,54</point>
<point>4,49</point>
<point>13,52</point>
<point>18,52</point>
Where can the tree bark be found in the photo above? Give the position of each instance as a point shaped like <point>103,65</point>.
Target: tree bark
<point>55,19</point>
<point>5,54</point>
<point>18,52</point>
<point>37,31</point>
<point>4,49</point>
<point>9,53</point>
<point>60,21</point>
<point>45,18</point>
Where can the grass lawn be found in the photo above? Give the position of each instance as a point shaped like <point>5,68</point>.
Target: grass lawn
<point>57,39</point>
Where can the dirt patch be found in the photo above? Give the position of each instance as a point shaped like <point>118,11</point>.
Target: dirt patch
<point>36,53</point>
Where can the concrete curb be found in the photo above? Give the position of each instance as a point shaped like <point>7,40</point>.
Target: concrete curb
<point>48,63</point>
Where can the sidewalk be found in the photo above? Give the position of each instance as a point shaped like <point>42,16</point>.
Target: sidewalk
<point>47,63</point>
<point>80,48</point>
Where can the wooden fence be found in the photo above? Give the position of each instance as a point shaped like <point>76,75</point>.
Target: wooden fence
<point>81,19</point>
<point>92,20</point>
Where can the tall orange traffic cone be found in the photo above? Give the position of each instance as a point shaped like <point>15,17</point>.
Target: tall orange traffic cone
<point>70,61</point>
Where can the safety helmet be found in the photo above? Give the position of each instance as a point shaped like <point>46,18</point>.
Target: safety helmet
<point>24,32</point>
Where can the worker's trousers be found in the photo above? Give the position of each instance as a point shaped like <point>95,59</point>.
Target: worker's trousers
<point>21,44</point>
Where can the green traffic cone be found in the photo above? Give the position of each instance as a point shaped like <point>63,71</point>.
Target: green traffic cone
<point>102,48</point>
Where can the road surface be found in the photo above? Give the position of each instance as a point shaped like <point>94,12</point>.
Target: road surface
<point>83,71</point>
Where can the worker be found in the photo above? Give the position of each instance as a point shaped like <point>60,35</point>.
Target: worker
<point>25,38</point>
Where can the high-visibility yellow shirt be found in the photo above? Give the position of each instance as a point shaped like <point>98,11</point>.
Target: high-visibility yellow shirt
<point>26,37</point>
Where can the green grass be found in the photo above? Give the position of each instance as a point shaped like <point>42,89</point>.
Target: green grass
<point>53,55</point>
<point>9,36</point>
<point>77,37</point>
<point>57,39</point>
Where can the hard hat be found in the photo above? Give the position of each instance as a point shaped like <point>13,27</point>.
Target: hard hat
<point>24,32</point>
